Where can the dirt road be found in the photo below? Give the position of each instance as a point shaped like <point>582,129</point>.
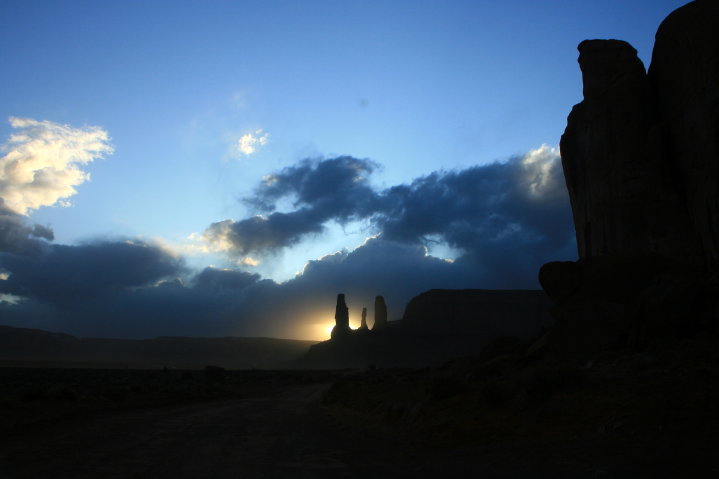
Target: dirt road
<point>271,436</point>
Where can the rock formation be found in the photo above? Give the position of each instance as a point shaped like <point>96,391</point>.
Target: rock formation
<point>684,73</point>
<point>363,325</point>
<point>437,325</point>
<point>640,153</point>
<point>380,314</point>
<point>641,161</point>
<point>342,319</point>
<point>480,313</point>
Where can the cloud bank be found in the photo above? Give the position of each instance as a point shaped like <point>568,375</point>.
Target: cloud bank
<point>505,216</point>
<point>504,220</point>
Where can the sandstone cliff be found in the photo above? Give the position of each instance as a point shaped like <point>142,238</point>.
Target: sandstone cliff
<point>640,152</point>
<point>480,312</point>
<point>684,76</point>
<point>641,161</point>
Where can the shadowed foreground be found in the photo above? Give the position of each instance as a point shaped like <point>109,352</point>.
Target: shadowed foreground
<point>279,430</point>
<point>503,414</point>
<point>277,434</point>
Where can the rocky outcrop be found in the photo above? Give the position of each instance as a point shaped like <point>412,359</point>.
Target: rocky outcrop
<point>617,171</point>
<point>481,314</point>
<point>616,301</point>
<point>380,314</point>
<point>437,325</point>
<point>342,319</point>
<point>363,324</point>
<point>641,161</point>
<point>640,152</point>
<point>684,76</point>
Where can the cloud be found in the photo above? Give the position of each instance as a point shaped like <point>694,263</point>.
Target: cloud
<point>250,261</point>
<point>521,200</point>
<point>18,237</point>
<point>42,162</point>
<point>262,233</point>
<point>65,274</point>
<point>335,189</point>
<point>224,279</point>
<point>122,289</point>
<point>248,143</point>
<point>504,220</point>
<point>131,289</point>
<point>480,211</point>
<point>221,302</point>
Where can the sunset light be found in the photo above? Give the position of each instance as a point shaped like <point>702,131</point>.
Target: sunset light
<point>390,238</point>
<point>206,145</point>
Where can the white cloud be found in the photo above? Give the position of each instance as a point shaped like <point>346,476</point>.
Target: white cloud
<point>42,162</point>
<point>249,261</point>
<point>542,170</point>
<point>248,143</point>
<point>217,241</point>
<point>10,298</point>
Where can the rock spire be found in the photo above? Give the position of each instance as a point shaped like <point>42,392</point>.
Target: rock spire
<point>342,319</point>
<point>380,313</point>
<point>363,325</point>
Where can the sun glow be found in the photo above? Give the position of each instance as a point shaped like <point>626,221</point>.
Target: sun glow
<point>324,330</point>
<point>320,330</point>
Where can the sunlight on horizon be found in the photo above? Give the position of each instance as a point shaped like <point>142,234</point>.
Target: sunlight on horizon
<point>322,331</point>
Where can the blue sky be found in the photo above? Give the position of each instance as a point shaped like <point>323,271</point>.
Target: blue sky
<point>411,87</point>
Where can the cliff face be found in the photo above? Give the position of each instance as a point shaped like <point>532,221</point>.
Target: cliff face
<point>641,161</point>
<point>684,75</point>
<point>485,313</point>
<point>640,153</point>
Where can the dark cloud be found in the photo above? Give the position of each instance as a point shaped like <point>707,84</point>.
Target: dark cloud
<point>17,237</point>
<point>264,233</point>
<point>152,302</point>
<point>214,278</point>
<point>507,218</point>
<point>65,275</point>
<point>229,302</point>
<point>335,189</point>
<point>481,205</point>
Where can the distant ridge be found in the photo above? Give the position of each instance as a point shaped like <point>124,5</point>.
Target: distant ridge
<point>35,347</point>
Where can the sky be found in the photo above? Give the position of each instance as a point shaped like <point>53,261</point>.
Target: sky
<point>228,167</point>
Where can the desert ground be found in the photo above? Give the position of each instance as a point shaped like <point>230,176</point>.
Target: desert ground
<point>498,415</point>
<point>273,426</point>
